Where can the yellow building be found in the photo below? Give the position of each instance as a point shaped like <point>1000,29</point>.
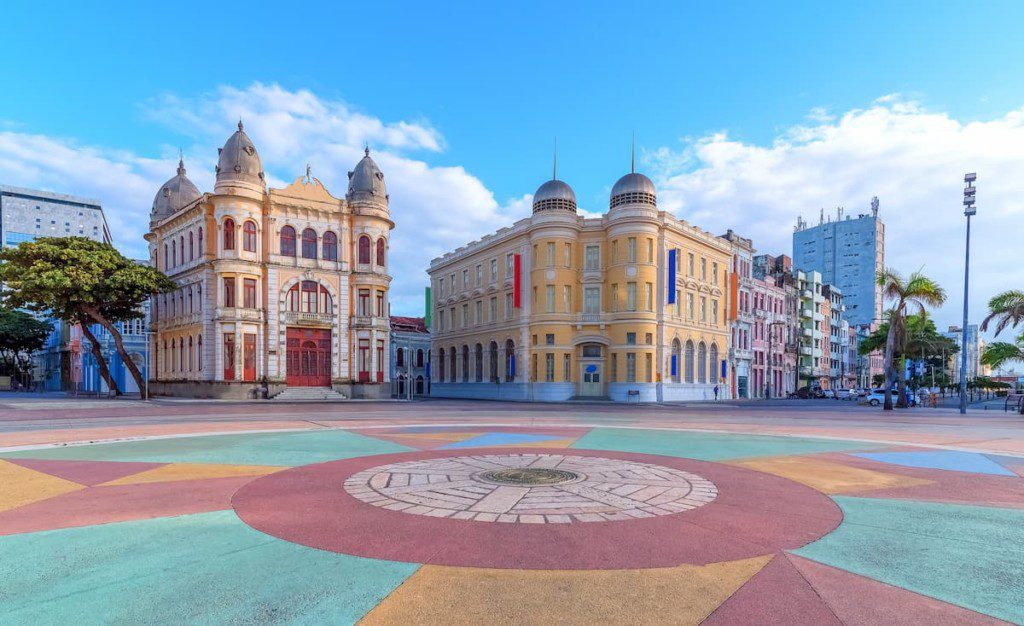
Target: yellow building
<point>284,285</point>
<point>631,305</point>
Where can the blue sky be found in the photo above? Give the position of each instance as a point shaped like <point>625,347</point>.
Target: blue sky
<point>472,96</point>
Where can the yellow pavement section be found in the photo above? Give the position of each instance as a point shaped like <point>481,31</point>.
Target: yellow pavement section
<point>20,486</point>
<point>193,471</point>
<point>826,476</point>
<point>685,594</point>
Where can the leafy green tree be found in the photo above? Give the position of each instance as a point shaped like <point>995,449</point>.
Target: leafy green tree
<point>1007,309</point>
<point>922,341</point>
<point>21,334</point>
<point>999,353</point>
<point>916,292</point>
<point>81,281</point>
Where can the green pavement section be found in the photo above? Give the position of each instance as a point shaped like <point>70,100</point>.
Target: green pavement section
<point>708,446</point>
<point>972,556</point>
<point>205,568</point>
<point>293,448</point>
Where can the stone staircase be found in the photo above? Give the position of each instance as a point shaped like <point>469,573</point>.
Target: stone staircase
<point>318,394</point>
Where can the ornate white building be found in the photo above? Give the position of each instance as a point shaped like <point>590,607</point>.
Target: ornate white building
<point>285,285</point>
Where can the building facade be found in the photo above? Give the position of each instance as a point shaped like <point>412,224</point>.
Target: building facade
<point>741,316</point>
<point>813,372</point>
<point>848,253</point>
<point>26,214</point>
<point>974,348</point>
<point>284,286</point>
<point>779,269</point>
<point>627,306</point>
<point>410,357</point>
<point>773,374</point>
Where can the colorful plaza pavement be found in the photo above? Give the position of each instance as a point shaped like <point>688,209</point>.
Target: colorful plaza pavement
<point>389,521</point>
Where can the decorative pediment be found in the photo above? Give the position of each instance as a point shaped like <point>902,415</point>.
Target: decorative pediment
<point>307,188</point>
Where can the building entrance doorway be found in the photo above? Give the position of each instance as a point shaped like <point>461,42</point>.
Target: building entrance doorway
<point>249,357</point>
<point>308,357</point>
<point>590,374</point>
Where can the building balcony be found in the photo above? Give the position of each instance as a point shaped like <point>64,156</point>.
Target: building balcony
<point>818,317</point>
<point>806,313</point>
<point>178,321</point>
<point>807,332</point>
<point>298,318</point>
<point>369,321</point>
<point>239,314</point>
<point>807,294</point>
<point>806,350</point>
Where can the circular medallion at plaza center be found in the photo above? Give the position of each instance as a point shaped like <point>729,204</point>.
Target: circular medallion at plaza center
<point>531,488</point>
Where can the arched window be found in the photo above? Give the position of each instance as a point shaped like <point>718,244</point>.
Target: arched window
<point>308,297</point>
<point>381,245</point>
<point>181,246</point>
<point>713,363</point>
<point>167,362</point>
<point>190,353</point>
<point>174,253</point>
<point>200,240</point>
<point>419,357</point>
<point>191,246</point>
<point>465,363</point>
<point>510,360</point>
<point>688,365</point>
<point>249,236</point>
<point>167,258</point>
<point>309,244</point>
<point>479,358</point>
<point>419,385</point>
<point>702,363</point>
<point>330,246</point>
<point>199,296</point>
<point>199,353</point>
<point>229,234</point>
<point>174,353</point>
<point>190,300</point>
<point>440,366</point>
<point>400,358</point>
<point>288,241</point>
<point>364,250</point>
<point>181,354</point>
<point>676,367</point>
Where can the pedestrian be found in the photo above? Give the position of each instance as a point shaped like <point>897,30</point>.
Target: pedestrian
<point>716,393</point>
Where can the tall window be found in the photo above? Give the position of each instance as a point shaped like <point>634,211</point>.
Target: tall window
<point>249,236</point>
<point>631,367</point>
<point>631,251</point>
<point>631,296</point>
<point>199,237</point>
<point>702,363</point>
<point>199,353</point>
<point>567,298</point>
<point>551,254</point>
<point>380,303</point>
<point>229,234</point>
<point>549,299</point>
<point>167,258</point>
<point>592,300</point>
<point>650,251</point>
<point>191,246</point>
<point>249,293</point>
<point>509,265</point>
<point>229,291</point>
<point>381,252</point>
<point>648,297</point>
<point>549,368</point>
<point>181,246</point>
<point>174,253</point>
<point>229,356</point>
<point>494,270</point>
<point>364,250</point>
<point>364,302</point>
<point>191,353</point>
<point>592,260</point>
<point>288,241</point>
<point>688,365</point>
<point>309,244</point>
<point>713,363</point>
<point>330,246</point>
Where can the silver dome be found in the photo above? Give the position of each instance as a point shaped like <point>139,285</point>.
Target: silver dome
<point>239,161</point>
<point>366,180</point>
<point>174,194</point>
<point>633,188</point>
<point>554,194</point>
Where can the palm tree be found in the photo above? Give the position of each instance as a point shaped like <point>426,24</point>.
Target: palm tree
<point>1000,352</point>
<point>916,292</point>
<point>1008,308</point>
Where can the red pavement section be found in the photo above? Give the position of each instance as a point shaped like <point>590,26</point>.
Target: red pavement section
<point>858,600</point>
<point>121,503</point>
<point>778,594</point>
<point>754,514</point>
<point>85,472</point>
<point>947,486</point>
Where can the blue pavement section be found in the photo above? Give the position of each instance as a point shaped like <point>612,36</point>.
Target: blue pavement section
<point>207,568</point>
<point>971,556</point>
<point>708,446</point>
<point>286,449</point>
<point>942,459</point>
<point>500,439</point>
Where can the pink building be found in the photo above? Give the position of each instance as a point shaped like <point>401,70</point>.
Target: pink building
<point>771,332</point>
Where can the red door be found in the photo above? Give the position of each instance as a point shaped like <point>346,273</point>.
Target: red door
<point>249,357</point>
<point>308,357</point>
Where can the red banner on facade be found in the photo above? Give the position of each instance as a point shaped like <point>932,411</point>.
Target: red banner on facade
<point>517,281</point>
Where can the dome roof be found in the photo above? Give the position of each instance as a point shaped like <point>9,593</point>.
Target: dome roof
<point>174,194</point>
<point>366,180</point>
<point>239,161</point>
<point>633,188</point>
<point>554,194</point>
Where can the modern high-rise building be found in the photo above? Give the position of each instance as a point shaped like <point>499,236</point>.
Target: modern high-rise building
<point>848,252</point>
<point>974,346</point>
<point>26,214</point>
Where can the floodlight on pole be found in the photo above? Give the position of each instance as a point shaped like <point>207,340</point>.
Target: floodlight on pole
<point>969,210</point>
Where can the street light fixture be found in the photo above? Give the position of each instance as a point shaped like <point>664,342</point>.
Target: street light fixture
<point>969,210</point>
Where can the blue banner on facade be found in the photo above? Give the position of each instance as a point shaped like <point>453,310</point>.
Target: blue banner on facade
<point>672,278</point>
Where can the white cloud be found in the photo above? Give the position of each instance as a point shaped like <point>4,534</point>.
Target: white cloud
<point>913,159</point>
<point>436,208</point>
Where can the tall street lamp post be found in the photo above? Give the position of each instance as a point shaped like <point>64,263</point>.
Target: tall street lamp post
<point>969,210</point>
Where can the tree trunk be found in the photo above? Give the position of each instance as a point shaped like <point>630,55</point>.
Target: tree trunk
<point>890,345</point>
<point>128,362</point>
<point>97,354</point>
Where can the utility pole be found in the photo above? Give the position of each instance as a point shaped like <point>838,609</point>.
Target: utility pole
<point>969,210</point>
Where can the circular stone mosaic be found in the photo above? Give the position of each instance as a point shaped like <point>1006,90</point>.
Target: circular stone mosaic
<point>531,488</point>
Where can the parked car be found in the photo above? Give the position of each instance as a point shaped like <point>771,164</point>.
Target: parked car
<point>846,394</point>
<point>805,393</point>
<point>875,397</point>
